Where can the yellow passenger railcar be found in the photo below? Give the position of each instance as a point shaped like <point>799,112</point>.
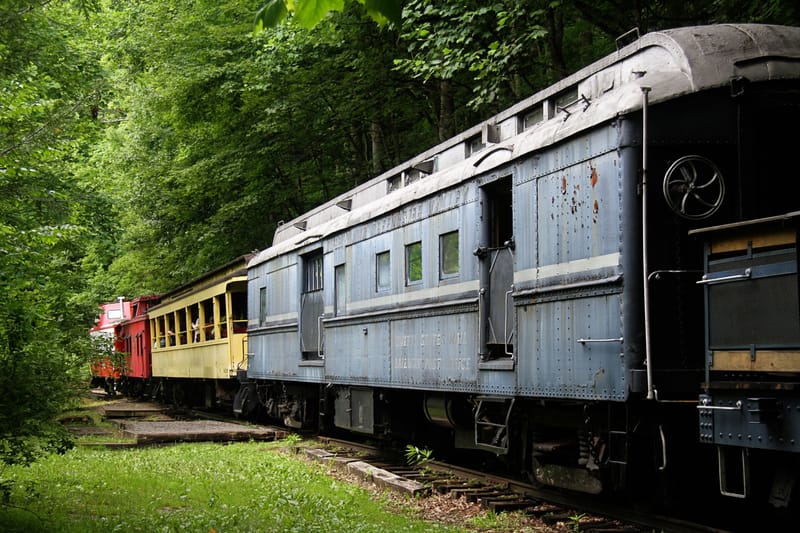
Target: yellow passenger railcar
<point>199,337</point>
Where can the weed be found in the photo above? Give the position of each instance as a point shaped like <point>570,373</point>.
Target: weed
<point>292,439</point>
<point>575,521</point>
<point>418,456</point>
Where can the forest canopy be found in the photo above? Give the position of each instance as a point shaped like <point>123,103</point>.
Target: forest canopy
<point>143,143</point>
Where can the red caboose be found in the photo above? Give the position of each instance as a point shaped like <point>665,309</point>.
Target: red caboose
<point>103,368</point>
<point>132,339</point>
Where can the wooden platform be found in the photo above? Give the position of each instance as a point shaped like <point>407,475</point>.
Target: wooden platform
<point>125,408</point>
<point>196,430</point>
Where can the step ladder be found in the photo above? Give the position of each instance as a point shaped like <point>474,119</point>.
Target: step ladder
<point>491,423</point>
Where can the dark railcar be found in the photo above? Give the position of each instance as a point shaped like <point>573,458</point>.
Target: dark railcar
<point>750,406</point>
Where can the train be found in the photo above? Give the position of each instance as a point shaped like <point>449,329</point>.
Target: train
<point>106,368</point>
<point>596,288</point>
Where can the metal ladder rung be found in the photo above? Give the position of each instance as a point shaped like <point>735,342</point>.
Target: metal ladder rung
<point>509,403</point>
<point>614,445</point>
<point>723,475</point>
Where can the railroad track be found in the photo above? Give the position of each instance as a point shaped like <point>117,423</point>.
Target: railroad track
<point>501,494</point>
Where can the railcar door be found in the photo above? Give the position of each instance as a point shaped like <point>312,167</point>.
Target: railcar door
<point>496,256</point>
<point>311,306</point>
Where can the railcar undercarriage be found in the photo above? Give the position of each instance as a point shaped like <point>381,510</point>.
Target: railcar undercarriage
<point>577,446</point>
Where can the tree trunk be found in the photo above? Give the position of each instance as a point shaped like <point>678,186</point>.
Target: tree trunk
<point>446,111</point>
<point>377,147</point>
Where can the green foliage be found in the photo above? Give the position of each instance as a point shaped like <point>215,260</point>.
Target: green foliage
<point>309,13</point>
<point>47,94</point>
<point>191,487</point>
<point>214,134</point>
<point>292,440</point>
<point>575,521</point>
<point>144,143</point>
<point>503,50</point>
<point>418,456</point>
<point>255,130</point>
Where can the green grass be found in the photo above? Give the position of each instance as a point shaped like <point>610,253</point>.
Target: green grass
<point>198,487</point>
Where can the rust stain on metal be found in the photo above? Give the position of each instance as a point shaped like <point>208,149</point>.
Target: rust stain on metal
<point>593,178</point>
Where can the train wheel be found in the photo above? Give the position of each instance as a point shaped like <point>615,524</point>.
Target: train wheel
<point>693,187</point>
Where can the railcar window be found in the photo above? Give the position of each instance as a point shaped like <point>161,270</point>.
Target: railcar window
<point>171,329</point>
<point>383,279</point>
<point>565,99</point>
<point>448,255</point>
<point>195,316</point>
<point>207,319</point>
<point>411,175</point>
<point>160,332</point>
<point>262,299</point>
<point>313,272</point>
<point>221,315</point>
<point>239,311</point>
<point>534,116</point>
<point>340,287</point>
<point>393,183</point>
<point>181,325</point>
<point>473,145</point>
<point>413,263</point>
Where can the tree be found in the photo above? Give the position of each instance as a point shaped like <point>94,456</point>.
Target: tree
<point>223,133</point>
<point>46,121</point>
<point>215,134</point>
<point>308,13</point>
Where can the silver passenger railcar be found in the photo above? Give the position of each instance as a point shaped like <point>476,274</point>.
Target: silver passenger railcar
<point>534,288</point>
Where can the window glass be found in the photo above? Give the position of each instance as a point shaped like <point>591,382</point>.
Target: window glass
<point>341,289</point>
<point>313,272</point>
<point>239,311</point>
<point>394,183</point>
<point>180,325</point>
<point>414,262</point>
<point>262,298</point>
<point>383,271</point>
<point>448,254</point>
<point>207,319</point>
<point>474,145</point>
<point>195,316</point>
<point>221,310</point>
<point>534,116</point>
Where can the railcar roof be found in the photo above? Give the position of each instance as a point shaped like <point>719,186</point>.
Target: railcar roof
<point>233,268</point>
<point>667,64</point>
